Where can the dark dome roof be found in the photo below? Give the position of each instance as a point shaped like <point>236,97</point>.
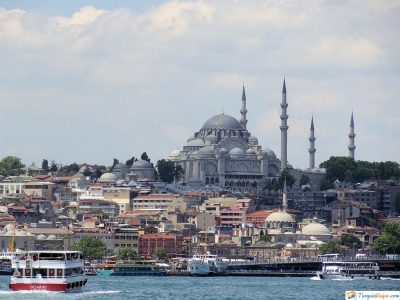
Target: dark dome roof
<point>222,122</point>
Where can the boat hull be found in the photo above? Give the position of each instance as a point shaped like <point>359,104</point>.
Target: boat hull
<point>49,287</point>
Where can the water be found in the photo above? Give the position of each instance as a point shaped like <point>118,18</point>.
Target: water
<point>109,287</point>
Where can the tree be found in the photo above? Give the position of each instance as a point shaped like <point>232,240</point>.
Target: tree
<point>166,170</point>
<point>11,166</point>
<point>45,165</point>
<point>115,161</point>
<point>145,157</point>
<point>350,241</point>
<point>388,241</point>
<point>160,253</point>
<point>265,237</point>
<point>70,169</point>
<point>289,179</point>
<point>329,247</point>
<point>304,180</point>
<point>91,248</point>
<point>53,166</point>
<point>126,253</point>
<point>130,161</point>
<point>178,173</point>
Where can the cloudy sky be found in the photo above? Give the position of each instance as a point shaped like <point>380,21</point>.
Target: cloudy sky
<point>87,81</point>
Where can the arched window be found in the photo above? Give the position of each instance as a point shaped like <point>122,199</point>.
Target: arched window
<point>212,180</point>
<point>207,180</point>
<point>216,180</point>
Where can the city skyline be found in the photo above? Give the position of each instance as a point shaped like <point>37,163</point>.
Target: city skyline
<point>90,81</point>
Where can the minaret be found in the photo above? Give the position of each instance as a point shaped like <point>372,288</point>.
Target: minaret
<point>312,149</point>
<point>284,196</point>
<point>352,135</point>
<point>243,111</point>
<point>284,128</point>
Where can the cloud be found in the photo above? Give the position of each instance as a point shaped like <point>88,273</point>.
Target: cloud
<point>118,82</point>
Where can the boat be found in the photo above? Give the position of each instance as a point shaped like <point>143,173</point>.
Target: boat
<point>138,268</point>
<point>55,271</point>
<point>206,264</point>
<point>106,268</point>
<point>5,262</point>
<point>349,270</point>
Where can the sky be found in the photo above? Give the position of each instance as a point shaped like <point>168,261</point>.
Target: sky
<point>89,81</point>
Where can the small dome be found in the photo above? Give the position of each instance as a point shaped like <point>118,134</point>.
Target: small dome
<point>141,164</point>
<point>175,153</point>
<point>253,140</point>
<point>223,150</point>
<point>236,151</point>
<point>250,151</point>
<point>41,237</point>
<point>211,138</point>
<point>196,143</point>
<point>108,177</point>
<point>190,139</point>
<point>315,229</point>
<point>194,154</point>
<point>289,245</point>
<point>222,121</point>
<point>270,153</point>
<point>120,166</point>
<point>279,216</point>
<point>206,151</point>
<point>51,237</point>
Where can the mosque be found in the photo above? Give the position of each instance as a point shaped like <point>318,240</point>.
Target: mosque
<point>224,153</point>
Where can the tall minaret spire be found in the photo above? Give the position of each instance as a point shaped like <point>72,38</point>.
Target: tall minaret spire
<point>284,128</point>
<point>312,149</point>
<point>352,135</point>
<point>284,196</point>
<point>243,111</point>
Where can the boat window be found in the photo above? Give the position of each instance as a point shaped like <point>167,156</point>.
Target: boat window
<point>28,272</point>
<point>51,272</point>
<point>59,272</point>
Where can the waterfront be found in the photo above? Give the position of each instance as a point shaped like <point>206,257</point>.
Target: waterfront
<point>103,287</point>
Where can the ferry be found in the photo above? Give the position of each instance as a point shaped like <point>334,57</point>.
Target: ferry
<point>55,271</point>
<point>206,264</point>
<point>349,270</point>
<point>5,262</point>
<point>138,268</point>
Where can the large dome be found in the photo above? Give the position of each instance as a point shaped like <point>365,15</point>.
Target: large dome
<point>279,216</point>
<point>108,177</point>
<point>315,229</point>
<point>222,122</point>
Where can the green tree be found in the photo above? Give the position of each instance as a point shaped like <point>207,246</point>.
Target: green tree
<point>126,253</point>
<point>160,253</point>
<point>11,166</point>
<point>178,173</point>
<point>289,179</point>
<point>45,165</point>
<point>145,157</point>
<point>265,237</point>
<point>388,242</point>
<point>91,248</point>
<point>329,247</point>
<point>304,180</point>
<point>70,169</point>
<point>350,241</point>
<point>53,167</point>
<point>166,170</point>
<point>115,161</point>
<point>130,161</point>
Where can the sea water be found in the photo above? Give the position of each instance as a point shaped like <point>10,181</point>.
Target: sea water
<point>142,287</point>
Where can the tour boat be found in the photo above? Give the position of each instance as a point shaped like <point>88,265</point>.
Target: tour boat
<point>206,264</point>
<point>5,262</point>
<point>56,271</point>
<point>349,270</point>
<point>138,268</point>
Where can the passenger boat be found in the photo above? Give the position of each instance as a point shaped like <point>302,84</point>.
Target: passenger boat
<point>56,271</point>
<point>206,264</point>
<point>5,262</point>
<point>138,268</point>
<point>349,270</point>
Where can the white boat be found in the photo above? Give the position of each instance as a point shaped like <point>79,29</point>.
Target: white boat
<point>206,264</point>
<point>5,261</point>
<point>348,270</point>
<point>57,271</point>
